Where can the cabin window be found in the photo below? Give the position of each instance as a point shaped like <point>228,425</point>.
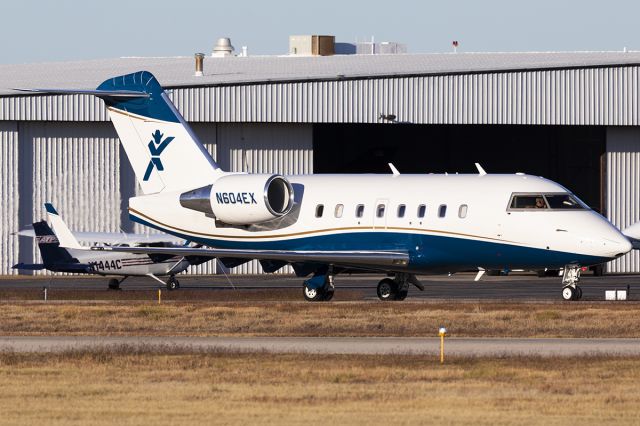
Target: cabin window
<point>360,210</point>
<point>422,210</point>
<point>462,211</point>
<point>319,210</point>
<point>401,210</point>
<point>442,210</point>
<point>380,210</point>
<point>339,209</point>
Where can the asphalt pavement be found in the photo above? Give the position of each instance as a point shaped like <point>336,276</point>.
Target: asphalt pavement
<point>516,287</point>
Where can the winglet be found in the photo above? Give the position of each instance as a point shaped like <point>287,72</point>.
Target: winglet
<point>60,228</point>
<point>481,171</point>
<point>394,170</point>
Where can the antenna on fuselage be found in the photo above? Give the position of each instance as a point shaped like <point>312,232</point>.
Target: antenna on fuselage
<point>394,170</point>
<point>481,171</point>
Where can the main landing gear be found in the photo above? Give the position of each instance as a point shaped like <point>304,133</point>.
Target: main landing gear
<point>397,288</point>
<point>114,283</point>
<point>173,283</point>
<point>570,279</point>
<point>319,288</point>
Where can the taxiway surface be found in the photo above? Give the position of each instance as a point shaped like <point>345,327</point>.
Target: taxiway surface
<point>524,287</point>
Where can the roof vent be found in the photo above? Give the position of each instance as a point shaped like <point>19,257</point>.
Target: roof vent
<point>222,48</point>
<point>199,64</point>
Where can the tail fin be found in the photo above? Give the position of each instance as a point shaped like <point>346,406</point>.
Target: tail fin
<point>164,152</point>
<point>60,229</point>
<point>49,245</point>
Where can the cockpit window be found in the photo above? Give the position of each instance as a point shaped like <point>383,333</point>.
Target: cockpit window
<point>563,201</point>
<point>545,201</point>
<point>528,202</point>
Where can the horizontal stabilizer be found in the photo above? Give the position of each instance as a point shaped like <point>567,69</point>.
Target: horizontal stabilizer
<point>125,94</point>
<point>29,266</point>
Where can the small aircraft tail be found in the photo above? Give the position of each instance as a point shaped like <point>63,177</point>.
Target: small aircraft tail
<point>49,245</point>
<point>163,150</point>
<point>60,229</point>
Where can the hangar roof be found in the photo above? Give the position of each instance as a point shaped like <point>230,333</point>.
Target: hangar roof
<point>178,71</point>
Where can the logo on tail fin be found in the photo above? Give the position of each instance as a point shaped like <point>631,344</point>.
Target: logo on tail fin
<point>156,146</point>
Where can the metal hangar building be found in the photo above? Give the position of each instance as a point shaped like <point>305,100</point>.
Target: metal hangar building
<point>570,117</point>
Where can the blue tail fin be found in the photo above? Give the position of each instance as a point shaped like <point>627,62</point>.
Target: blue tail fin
<point>49,246</point>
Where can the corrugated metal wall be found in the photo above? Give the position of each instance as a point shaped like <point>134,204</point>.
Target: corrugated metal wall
<point>623,188</point>
<point>9,196</point>
<point>76,167</point>
<point>595,96</point>
<point>53,108</point>
<point>584,96</point>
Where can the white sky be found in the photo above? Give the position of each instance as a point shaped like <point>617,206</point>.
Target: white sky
<point>39,30</point>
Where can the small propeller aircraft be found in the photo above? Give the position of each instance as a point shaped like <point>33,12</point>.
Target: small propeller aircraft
<point>76,260</point>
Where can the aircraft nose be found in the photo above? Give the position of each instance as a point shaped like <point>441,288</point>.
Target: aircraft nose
<point>610,243</point>
<point>616,244</point>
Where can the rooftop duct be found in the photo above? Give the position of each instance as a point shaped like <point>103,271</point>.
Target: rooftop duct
<point>199,64</point>
<point>222,48</point>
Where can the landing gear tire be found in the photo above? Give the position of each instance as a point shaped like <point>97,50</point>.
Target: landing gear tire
<point>402,294</point>
<point>569,293</point>
<point>570,279</point>
<point>314,294</point>
<point>173,284</point>
<point>328,295</point>
<point>387,289</point>
<point>114,284</point>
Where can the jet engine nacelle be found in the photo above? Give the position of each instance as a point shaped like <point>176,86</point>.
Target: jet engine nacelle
<point>242,199</point>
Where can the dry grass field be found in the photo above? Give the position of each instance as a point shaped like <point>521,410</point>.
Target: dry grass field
<point>462,319</point>
<point>119,386</point>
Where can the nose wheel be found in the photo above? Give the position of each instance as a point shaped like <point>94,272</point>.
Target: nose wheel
<point>572,293</point>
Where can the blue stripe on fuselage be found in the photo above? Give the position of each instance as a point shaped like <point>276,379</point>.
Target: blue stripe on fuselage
<point>427,252</point>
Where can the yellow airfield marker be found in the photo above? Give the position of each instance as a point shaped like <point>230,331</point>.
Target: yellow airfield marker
<point>442,332</point>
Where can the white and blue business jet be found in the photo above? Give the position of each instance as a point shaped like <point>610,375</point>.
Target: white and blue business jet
<point>398,225</point>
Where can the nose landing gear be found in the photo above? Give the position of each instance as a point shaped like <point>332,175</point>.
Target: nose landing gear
<point>570,279</point>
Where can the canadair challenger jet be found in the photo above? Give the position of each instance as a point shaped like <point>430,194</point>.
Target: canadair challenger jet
<point>398,225</point>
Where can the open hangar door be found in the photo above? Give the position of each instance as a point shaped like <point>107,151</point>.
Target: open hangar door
<point>570,155</point>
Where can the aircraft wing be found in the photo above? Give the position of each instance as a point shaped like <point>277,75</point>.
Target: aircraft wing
<point>114,237</point>
<point>362,258</point>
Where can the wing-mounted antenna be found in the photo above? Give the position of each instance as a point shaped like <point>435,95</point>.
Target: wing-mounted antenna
<point>481,171</point>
